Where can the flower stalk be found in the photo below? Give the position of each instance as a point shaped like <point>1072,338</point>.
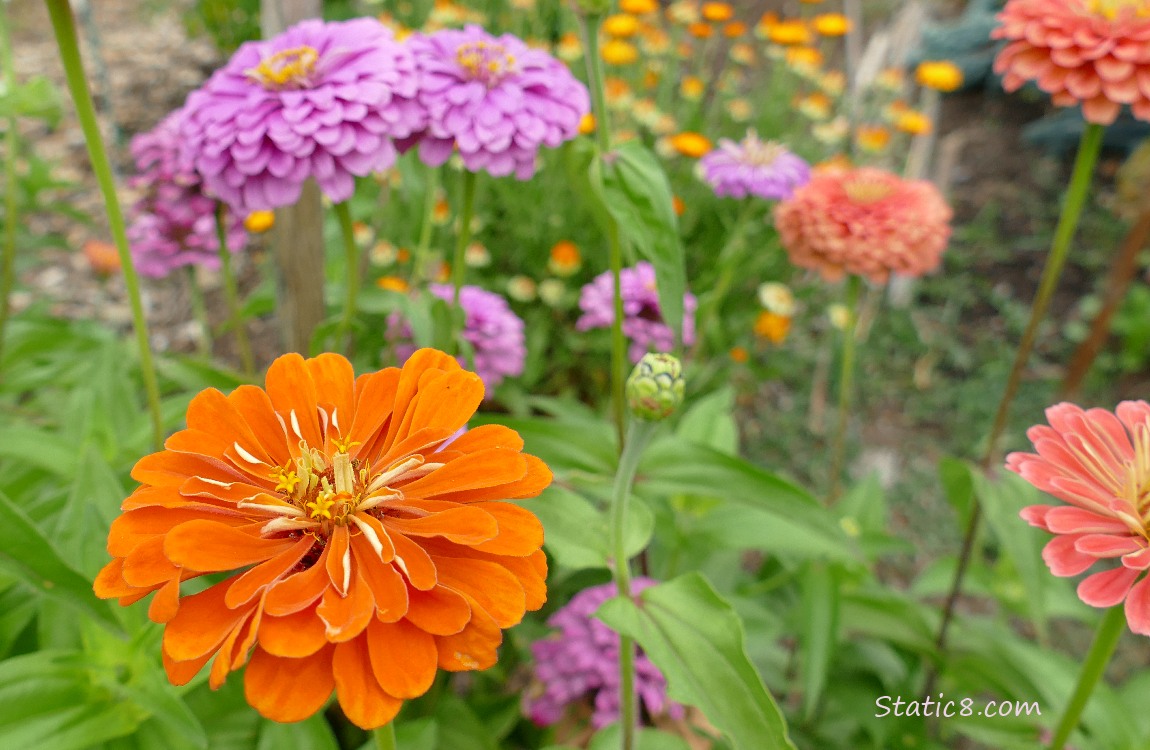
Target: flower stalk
<point>385,736</point>
<point>11,155</point>
<point>351,257</point>
<point>200,312</point>
<point>596,81</point>
<point>423,245</point>
<point>1088,149</point>
<point>846,383</point>
<point>1105,641</point>
<point>232,293</point>
<point>459,262</point>
<point>728,264</point>
<point>64,27</point>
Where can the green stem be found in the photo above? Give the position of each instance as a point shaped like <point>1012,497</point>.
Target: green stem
<point>232,292</point>
<point>459,263</point>
<point>846,382</point>
<point>419,260</point>
<point>351,256</point>
<point>64,26</point>
<point>728,265</point>
<point>1105,641</point>
<point>1088,150</point>
<point>614,244</point>
<point>638,436</point>
<point>200,312</point>
<point>11,155</point>
<point>385,737</point>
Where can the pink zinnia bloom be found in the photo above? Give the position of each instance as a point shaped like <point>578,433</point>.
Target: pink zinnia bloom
<point>1099,463</point>
<point>320,100</point>
<point>864,221</point>
<point>1090,52</point>
<point>764,169</point>
<point>494,98</point>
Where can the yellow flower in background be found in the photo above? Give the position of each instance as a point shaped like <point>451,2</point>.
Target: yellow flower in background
<point>638,7</point>
<point>940,75</point>
<point>476,256</point>
<point>692,88</point>
<point>913,122</point>
<point>621,25</point>
<point>701,30</point>
<point>570,47</point>
<point>665,124</point>
<point>552,292</point>
<point>767,21</point>
<point>740,110</point>
<point>392,284</point>
<point>804,57</point>
<point>815,106</point>
<point>832,131</point>
<point>650,78</point>
<point>777,297</point>
<point>734,29</point>
<point>587,124</point>
<point>833,82</point>
<point>693,145</point>
<point>259,221</point>
<point>565,258</point>
<point>363,233</point>
<point>872,138</point>
<point>683,12</point>
<point>890,79</point>
<point>654,40</point>
<point>717,12</point>
<point>792,31</point>
<point>521,288</point>
<point>383,253</point>
<point>739,355</point>
<point>772,326</point>
<point>832,24</point>
<point>742,53</point>
<point>840,316</point>
<point>811,2</point>
<point>617,91</point>
<point>619,52</point>
<point>677,205</point>
<point>646,112</point>
<point>838,161</point>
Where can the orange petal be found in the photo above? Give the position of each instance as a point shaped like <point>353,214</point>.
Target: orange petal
<point>171,468</point>
<point>291,390</point>
<point>414,562</point>
<point>234,649</point>
<point>537,478</point>
<point>197,441</point>
<point>253,581</point>
<point>335,383</point>
<point>374,397</point>
<point>202,623</point>
<point>347,616</point>
<point>146,566</point>
<point>386,584</point>
<point>488,436</point>
<point>255,406</point>
<point>182,672</point>
<point>295,635</point>
<point>403,658</point>
<point>146,496</point>
<point>416,366</point>
<point>440,611</point>
<point>445,400</point>
<point>532,574</point>
<point>339,560</point>
<point>166,603</point>
<point>520,532</point>
<point>110,583</point>
<point>135,527</point>
<point>462,525</point>
<point>360,695</point>
<point>475,647</point>
<point>210,546</point>
<point>487,468</point>
<point>299,590</point>
<point>289,689</point>
<point>489,584</point>
<point>417,442</point>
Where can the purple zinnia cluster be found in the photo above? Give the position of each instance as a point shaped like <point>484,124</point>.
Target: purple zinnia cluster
<point>320,100</point>
<point>584,661</point>
<point>494,98</point>
<point>493,330</point>
<point>643,322</point>
<point>173,223</point>
<point>754,167</point>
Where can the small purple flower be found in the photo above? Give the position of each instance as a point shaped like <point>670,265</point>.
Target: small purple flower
<point>493,330</point>
<point>764,169</point>
<point>495,98</point>
<point>584,661</point>
<point>320,100</point>
<point>643,320</point>
<point>173,223</point>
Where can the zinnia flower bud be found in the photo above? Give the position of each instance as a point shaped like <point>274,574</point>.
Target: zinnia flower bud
<point>655,388</point>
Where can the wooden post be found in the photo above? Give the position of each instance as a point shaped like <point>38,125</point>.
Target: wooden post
<point>297,239</point>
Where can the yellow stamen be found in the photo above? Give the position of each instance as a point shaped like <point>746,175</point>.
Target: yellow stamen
<point>286,480</point>
<point>289,68</point>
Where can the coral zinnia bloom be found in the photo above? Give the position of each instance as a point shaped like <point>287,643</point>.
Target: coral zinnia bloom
<point>1099,463</point>
<point>1093,52</point>
<point>864,221</point>
<point>370,544</point>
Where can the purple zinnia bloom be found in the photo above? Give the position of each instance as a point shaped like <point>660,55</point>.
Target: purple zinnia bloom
<point>320,100</point>
<point>173,223</point>
<point>495,98</point>
<point>643,321</point>
<point>493,330</point>
<point>764,169</point>
<point>584,660</point>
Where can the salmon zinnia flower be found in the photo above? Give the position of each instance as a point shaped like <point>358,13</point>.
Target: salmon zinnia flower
<point>1099,463</point>
<point>370,542</point>
<point>1090,52</point>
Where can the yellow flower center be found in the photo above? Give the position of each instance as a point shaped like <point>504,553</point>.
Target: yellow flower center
<point>1111,9</point>
<point>760,153</point>
<point>486,62</point>
<point>286,69</point>
<point>867,191</point>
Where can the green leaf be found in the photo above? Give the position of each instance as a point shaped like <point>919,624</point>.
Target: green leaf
<point>28,555</point>
<point>566,445</point>
<point>639,197</point>
<point>818,632</point>
<point>577,533</point>
<point>30,446</point>
<point>609,737</point>
<point>710,421</point>
<point>421,734</point>
<point>956,481</point>
<point>152,692</point>
<point>312,733</point>
<point>697,640</point>
<point>36,98</point>
<point>460,728</point>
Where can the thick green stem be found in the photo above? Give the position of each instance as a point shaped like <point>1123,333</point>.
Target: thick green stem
<point>64,26</point>
<point>200,312</point>
<point>728,263</point>
<point>232,292</point>
<point>351,258</point>
<point>637,438</point>
<point>1088,150</point>
<point>419,259</point>
<point>846,382</point>
<point>11,155</point>
<point>385,737</point>
<point>459,262</point>
<point>1105,641</point>
<point>614,243</point>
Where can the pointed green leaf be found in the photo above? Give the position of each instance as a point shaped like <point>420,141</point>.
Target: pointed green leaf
<point>818,631</point>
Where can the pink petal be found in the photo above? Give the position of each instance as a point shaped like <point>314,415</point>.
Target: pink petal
<point>1138,607</point>
<point>1107,588</point>
<point>1063,559</point>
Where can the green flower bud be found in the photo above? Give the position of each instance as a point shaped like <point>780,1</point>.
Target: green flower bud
<point>655,388</point>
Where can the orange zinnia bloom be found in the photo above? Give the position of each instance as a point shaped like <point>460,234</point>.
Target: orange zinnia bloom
<point>370,543</point>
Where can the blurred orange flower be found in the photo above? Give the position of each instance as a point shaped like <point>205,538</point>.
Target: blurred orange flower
<point>638,7</point>
<point>369,540</point>
<point>103,257</point>
<point>565,258</point>
<point>701,30</point>
<point>772,326</point>
<point>690,144</point>
<point>717,12</point>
